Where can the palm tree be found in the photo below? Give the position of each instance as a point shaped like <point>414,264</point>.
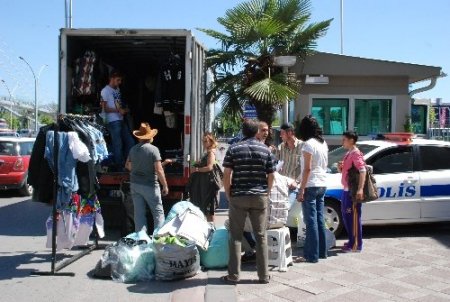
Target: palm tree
<point>256,32</point>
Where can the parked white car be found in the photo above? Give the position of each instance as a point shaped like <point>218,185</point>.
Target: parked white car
<point>413,180</point>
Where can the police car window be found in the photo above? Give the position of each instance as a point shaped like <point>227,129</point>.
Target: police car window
<point>435,158</point>
<point>338,154</point>
<point>396,160</point>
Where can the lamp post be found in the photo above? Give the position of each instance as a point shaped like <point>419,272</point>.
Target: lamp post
<point>10,104</point>
<point>35,96</point>
<point>285,62</point>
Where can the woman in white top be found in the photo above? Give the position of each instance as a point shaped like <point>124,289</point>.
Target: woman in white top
<point>314,162</point>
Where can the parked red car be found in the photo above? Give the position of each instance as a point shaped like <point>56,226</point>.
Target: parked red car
<point>14,160</point>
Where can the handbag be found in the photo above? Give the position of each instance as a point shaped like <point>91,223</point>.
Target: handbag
<point>216,176</point>
<point>370,190</point>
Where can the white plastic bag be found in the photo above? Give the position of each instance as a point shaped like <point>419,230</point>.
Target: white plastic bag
<point>189,225</point>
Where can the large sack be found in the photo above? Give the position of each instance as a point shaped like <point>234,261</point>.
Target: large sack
<point>175,261</point>
<point>217,255</point>
<point>189,225</point>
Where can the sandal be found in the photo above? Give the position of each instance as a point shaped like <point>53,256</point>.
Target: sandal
<point>300,260</point>
<point>227,279</point>
<point>265,281</point>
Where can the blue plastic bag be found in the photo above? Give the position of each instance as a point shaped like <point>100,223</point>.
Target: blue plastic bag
<point>217,255</point>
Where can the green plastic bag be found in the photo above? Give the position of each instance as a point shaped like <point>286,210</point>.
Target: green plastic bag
<point>217,255</point>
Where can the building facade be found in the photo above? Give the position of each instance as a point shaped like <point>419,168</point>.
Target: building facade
<point>367,95</point>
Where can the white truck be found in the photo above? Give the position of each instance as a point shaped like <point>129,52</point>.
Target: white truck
<point>141,55</point>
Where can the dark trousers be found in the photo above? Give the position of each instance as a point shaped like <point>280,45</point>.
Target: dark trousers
<point>351,216</point>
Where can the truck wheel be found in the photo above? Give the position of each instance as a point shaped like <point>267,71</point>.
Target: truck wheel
<point>333,217</point>
<point>26,189</point>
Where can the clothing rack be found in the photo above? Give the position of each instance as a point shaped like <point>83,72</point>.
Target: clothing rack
<point>54,270</point>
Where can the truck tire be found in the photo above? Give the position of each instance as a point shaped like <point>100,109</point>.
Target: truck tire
<point>333,216</point>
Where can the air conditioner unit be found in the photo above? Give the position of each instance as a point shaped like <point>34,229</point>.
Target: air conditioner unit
<point>317,80</point>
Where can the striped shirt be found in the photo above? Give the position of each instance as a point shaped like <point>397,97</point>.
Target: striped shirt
<point>290,158</point>
<point>250,161</point>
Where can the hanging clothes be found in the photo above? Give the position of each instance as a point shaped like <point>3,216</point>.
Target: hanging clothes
<point>83,81</point>
<point>40,176</point>
<point>172,85</point>
<point>67,160</point>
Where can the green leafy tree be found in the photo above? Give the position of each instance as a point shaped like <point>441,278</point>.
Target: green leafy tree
<point>45,119</point>
<point>243,67</point>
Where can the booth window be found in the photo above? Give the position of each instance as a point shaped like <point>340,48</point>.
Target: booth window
<point>332,115</point>
<point>419,118</point>
<point>373,116</point>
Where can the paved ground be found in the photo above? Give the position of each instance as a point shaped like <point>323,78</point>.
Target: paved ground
<point>398,264</point>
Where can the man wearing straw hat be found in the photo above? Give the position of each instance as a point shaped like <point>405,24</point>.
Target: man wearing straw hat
<point>144,162</point>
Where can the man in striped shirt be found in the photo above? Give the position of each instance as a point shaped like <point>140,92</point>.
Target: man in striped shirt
<point>248,178</point>
<point>289,152</point>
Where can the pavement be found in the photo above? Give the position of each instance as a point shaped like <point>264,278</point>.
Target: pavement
<point>397,264</point>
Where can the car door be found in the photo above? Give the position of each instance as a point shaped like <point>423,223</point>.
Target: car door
<point>435,181</point>
<point>398,186</point>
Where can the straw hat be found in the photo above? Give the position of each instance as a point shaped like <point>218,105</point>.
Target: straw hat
<point>145,132</point>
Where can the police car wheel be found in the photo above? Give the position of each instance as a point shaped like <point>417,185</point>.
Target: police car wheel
<point>333,217</point>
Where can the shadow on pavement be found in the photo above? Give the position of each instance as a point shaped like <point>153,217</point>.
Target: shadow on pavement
<point>161,287</point>
<point>26,218</point>
<point>9,264</point>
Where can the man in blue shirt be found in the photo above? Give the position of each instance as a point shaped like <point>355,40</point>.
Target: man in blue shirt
<point>248,178</point>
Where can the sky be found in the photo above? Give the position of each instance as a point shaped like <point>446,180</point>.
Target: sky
<point>411,31</point>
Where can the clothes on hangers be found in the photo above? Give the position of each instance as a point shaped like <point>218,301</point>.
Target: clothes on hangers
<point>83,81</point>
<point>40,176</point>
<point>67,160</point>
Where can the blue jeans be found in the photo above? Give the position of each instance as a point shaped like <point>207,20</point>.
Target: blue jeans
<point>313,206</point>
<point>150,195</point>
<point>121,141</point>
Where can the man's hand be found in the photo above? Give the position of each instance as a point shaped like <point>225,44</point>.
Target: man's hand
<point>300,195</point>
<point>165,191</point>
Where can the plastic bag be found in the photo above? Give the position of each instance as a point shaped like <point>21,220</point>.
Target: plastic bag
<point>180,207</point>
<point>330,239</point>
<point>189,225</point>
<point>174,262</point>
<point>301,230</point>
<point>218,254</point>
<point>131,260</point>
<point>278,214</point>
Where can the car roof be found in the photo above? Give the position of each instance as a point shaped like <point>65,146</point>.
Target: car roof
<point>415,141</point>
<point>17,139</point>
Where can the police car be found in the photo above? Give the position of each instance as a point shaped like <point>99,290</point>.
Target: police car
<point>413,180</point>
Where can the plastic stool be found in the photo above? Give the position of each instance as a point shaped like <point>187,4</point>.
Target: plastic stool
<point>279,248</point>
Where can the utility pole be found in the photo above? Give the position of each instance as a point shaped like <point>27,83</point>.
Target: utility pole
<point>35,96</point>
<point>342,27</point>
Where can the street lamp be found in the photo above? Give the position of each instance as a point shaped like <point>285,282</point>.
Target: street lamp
<point>285,62</point>
<point>35,96</point>
<point>10,104</point>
